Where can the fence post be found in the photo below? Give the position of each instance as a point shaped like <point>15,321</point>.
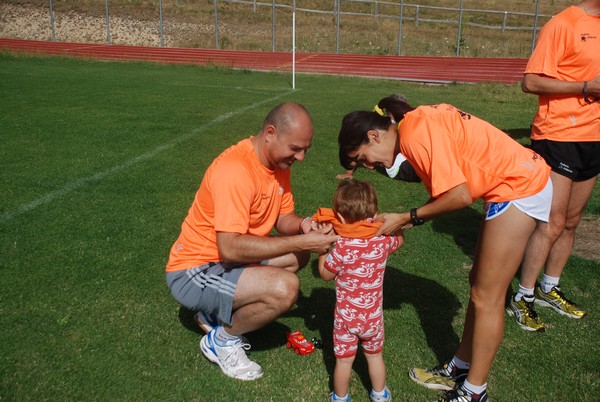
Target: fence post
<point>417,16</point>
<point>504,21</point>
<point>52,22</point>
<point>400,26</point>
<point>337,33</point>
<point>160,13</point>
<point>216,25</point>
<point>273,26</point>
<point>107,25</point>
<point>535,22</point>
<point>460,16</point>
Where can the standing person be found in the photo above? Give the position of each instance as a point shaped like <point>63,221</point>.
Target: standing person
<point>460,158</point>
<point>564,71</point>
<point>225,265</point>
<point>357,263</point>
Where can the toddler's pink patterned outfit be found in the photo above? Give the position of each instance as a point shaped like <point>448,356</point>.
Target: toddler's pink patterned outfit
<point>360,266</point>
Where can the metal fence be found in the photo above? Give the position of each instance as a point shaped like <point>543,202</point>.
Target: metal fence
<point>399,13</point>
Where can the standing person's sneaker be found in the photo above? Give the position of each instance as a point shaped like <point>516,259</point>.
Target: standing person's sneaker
<point>386,397</point>
<point>440,377</point>
<point>556,300</point>
<point>231,357</point>
<point>525,315</point>
<point>458,395</point>
<point>206,321</point>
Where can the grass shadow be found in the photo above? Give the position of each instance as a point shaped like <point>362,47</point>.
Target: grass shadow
<point>269,337</point>
<point>463,226</point>
<point>435,305</point>
<point>186,318</point>
<point>272,336</point>
<point>317,312</point>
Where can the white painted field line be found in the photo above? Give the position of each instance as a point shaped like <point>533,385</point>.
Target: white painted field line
<point>51,196</point>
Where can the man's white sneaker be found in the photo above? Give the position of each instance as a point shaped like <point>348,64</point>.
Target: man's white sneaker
<point>231,358</point>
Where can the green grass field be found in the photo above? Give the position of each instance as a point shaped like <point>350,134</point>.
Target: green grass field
<point>99,164</point>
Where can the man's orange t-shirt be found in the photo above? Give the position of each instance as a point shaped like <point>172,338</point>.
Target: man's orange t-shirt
<point>448,147</point>
<point>238,194</point>
<point>568,49</point>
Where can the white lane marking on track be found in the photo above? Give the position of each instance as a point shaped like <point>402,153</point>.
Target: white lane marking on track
<point>48,197</point>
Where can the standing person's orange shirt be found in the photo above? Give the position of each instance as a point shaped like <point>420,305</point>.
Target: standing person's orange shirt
<point>448,147</point>
<point>238,194</point>
<point>568,49</point>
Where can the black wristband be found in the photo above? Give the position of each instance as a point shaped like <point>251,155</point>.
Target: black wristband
<point>414,219</point>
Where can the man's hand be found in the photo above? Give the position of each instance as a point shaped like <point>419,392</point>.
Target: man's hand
<point>308,225</point>
<point>319,240</point>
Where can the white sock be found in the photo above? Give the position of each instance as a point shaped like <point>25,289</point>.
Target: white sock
<point>223,337</point>
<point>473,389</point>
<point>523,291</point>
<point>378,393</point>
<point>548,282</point>
<point>461,364</point>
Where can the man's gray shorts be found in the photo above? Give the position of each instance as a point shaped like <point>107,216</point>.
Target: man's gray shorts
<point>209,288</point>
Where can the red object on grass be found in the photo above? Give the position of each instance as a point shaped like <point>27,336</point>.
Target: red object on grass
<point>300,345</point>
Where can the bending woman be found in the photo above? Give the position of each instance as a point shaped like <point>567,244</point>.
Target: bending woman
<point>460,159</point>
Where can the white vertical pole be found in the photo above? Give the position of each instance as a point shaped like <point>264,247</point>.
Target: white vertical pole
<point>294,46</point>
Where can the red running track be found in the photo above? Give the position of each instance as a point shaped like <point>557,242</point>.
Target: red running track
<point>407,68</point>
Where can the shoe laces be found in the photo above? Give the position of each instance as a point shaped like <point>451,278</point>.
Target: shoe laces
<point>561,296</point>
<point>530,309</point>
<point>442,369</point>
<point>237,354</point>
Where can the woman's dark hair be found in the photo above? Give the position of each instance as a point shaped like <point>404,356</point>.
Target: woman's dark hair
<point>355,200</point>
<point>395,104</point>
<point>356,125</point>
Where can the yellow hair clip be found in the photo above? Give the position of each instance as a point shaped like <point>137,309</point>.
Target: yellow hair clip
<point>378,110</point>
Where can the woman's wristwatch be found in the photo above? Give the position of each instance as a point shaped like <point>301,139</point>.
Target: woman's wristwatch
<point>414,219</point>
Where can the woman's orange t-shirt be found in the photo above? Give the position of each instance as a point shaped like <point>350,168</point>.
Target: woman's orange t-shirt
<point>448,147</point>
